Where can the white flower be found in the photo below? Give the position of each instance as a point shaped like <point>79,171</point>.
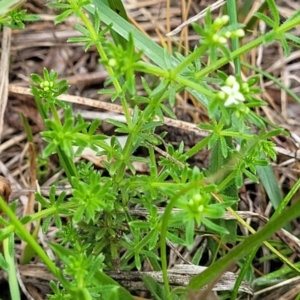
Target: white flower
<point>234,96</point>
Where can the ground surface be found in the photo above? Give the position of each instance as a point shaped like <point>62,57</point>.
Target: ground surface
<point>42,44</point>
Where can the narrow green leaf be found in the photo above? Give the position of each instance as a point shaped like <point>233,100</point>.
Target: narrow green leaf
<point>175,239</point>
<point>189,233</point>
<point>139,224</point>
<point>292,37</point>
<point>62,16</point>
<point>143,43</point>
<point>221,265</point>
<point>155,288</point>
<point>269,181</point>
<point>97,21</point>
<point>264,18</point>
<point>3,263</point>
<point>275,80</point>
<point>209,224</point>
<point>117,7</point>
<point>103,279</point>
<point>285,46</point>
<point>274,11</point>
<point>82,30</point>
<point>149,48</point>
<point>117,123</point>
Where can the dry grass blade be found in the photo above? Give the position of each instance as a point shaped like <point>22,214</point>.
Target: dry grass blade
<point>179,275</point>
<point>278,290</point>
<point>114,108</point>
<point>196,17</point>
<point>4,72</point>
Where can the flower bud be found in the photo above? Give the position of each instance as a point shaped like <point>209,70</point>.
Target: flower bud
<point>112,62</point>
<point>215,38</point>
<point>221,95</point>
<point>245,87</point>
<point>230,81</point>
<point>225,19</point>
<point>222,40</point>
<point>200,208</point>
<point>239,32</point>
<point>227,34</point>
<point>217,24</point>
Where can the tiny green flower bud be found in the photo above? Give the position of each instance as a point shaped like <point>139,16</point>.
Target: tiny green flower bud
<point>221,95</point>
<point>238,114</point>
<point>197,197</point>
<point>240,32</point>
<point>215,38</point>
<point>200,208</point>
<point>245,109</point>
<point>230,81</point>
<point>46,83</point>
<point>225,19</point>
<point>245,87</point>
<point>217,23</point>
<point>222,40</point>
<point>228,34</point>
<point>112,62</point>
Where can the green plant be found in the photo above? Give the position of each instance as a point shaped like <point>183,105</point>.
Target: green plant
<point>14,18</point>
<point>103,234</point>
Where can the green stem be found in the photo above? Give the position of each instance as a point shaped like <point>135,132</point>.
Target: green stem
<point>185,82</point>
<point>246,48</point>
<point>55,113</point>
<point>274,275</point>
<point>196,86</point>
<point>242,273</point>
<point>126,155</point>
<point>163,236</point>
<point>198,147</point>
<point>232,13</point>
<point>286,200</point>
<point>189,59</point>
<point>100,49</point>
<point>144,241</point>
<point>39,215</point>
<point>226,181</point>
<point>10,259</point>
<point>67,164</point>
<point>26,236</point>
<point>166,185</point>
<point>109,69</point>
<point>274,79</point>
<point>236,134</point>
<point>153,166</point>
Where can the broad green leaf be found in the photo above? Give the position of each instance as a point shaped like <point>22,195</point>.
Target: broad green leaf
<point>269,181</point>
<point>7,5</point>
<point>118,7</point>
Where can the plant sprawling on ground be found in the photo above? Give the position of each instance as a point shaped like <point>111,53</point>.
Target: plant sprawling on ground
<point>120,219</point>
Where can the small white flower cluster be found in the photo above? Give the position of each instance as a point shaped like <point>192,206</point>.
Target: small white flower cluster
<point>231,92</point>
<point>218,24</point>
